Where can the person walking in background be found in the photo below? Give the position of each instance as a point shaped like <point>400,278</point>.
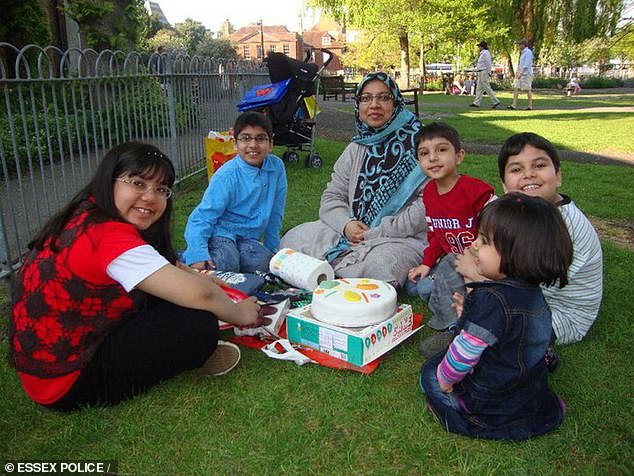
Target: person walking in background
<point>524,76</point>
<point>484,67</point>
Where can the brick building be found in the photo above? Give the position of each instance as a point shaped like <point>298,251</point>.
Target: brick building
<point>330,35</point>
<point>248,41</point>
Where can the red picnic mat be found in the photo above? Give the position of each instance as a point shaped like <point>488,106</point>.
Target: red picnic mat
<point>320,357</point>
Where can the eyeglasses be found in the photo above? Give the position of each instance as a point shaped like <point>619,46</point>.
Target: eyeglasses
<point>383,98</point>
<point>259,139</point>
<point>141,187</point>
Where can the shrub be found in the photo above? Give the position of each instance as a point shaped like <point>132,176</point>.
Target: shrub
<point>552,82</point>
<point>433,84</point>
<point>598,82</point>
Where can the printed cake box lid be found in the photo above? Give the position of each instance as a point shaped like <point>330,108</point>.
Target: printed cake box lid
<point>360,345</point>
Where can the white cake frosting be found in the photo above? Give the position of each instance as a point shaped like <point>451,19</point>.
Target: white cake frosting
<point>353,302</point>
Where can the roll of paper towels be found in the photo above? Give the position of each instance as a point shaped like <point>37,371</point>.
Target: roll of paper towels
<point>300,270</point>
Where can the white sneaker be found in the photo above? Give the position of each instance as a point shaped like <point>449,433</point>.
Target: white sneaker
<point>222,361</point>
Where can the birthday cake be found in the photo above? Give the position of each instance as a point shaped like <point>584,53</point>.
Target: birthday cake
<point>353,302</point>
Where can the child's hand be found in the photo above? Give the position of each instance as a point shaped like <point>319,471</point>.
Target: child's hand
<point>354,231</point>
<point>201,272</point>
<point>421,270</point>
<point>209,264</point>
<point>466,266</point>
<point>445,388</point>
<point>458,303</point>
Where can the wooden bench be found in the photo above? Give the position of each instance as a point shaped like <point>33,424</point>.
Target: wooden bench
<point>413,101</point>
<point>334,86</point>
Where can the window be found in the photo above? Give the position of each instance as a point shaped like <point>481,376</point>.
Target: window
<point>246,52</point>
<point>287,49</point>
<point>258,52</point>
<point>273,48</point>
<point>325,40</point>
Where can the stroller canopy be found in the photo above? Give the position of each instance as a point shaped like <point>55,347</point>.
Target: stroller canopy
<point>302,74</point>
<point>263,95</point>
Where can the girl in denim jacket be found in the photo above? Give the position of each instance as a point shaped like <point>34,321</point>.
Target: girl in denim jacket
<point>493,381</point>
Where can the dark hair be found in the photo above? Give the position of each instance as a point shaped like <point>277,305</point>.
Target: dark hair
<point>516,143</point>
<point>133,158</point>
<point>531,237</point>
<point>438,129</point>
<point>254,119</point>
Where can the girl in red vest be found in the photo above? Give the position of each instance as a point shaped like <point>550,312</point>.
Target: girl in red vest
<point>101,310</point>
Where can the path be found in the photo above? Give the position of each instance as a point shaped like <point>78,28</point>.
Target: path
<point>337,123</point>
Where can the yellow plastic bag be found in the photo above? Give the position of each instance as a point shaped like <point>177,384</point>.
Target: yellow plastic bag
<point>219,148</point>
<point>311,106</point>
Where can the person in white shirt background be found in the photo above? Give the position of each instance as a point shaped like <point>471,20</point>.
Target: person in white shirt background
<point>524,76</point>
<point>484,67</point>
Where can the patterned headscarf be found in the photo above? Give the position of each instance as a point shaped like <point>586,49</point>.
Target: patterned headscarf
<point>390,172</point>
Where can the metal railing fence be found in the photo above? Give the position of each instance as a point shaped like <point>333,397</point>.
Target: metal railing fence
<point>62,110</point>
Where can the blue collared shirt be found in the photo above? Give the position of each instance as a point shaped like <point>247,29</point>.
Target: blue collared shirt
<point>241,201</point>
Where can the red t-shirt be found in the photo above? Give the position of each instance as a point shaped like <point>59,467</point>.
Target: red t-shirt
<point>451,217</point>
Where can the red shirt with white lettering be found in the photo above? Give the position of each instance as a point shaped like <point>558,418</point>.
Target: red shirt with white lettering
<point>451,217</point>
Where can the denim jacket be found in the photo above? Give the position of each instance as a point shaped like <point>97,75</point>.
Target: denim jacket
<point>509,385</point>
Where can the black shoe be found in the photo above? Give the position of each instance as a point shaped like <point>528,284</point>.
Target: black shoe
<point>473,105</point>
<point>511,107</point>
<point>552,359</point>
<point>435,343</point>
<point>496,105</point>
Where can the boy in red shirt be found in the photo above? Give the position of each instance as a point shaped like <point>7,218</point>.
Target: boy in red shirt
<point>452,203</point>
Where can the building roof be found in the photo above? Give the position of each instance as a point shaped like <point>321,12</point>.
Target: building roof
<point>271,33</point>
<point>314,39</point>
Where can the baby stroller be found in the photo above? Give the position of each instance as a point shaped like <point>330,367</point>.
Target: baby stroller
<point>290,103</point>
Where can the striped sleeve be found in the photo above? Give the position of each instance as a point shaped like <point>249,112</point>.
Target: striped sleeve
<point>463,355</point>
<point>576,306</point>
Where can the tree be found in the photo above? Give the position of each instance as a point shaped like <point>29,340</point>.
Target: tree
<point>430,22</point>
<point>623,43</point>
<point>216,48</point>
<point>114,24</point>
<point>372,52</point>
<point>191,34</point>
<point>23,22</point>
<point>166,37</point>
<point>548,23</point>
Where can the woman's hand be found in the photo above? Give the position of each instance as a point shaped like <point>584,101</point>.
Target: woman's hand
<point>422,271</point>
<point>354,231</point>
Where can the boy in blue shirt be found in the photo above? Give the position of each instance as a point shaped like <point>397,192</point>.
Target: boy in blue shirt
<point>244,203</point>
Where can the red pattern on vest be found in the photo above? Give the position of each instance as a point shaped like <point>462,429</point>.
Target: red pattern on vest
<point>59,318</point>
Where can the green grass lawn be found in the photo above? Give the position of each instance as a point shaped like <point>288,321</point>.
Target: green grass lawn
<point>273,417</point>
<point>586,123</point>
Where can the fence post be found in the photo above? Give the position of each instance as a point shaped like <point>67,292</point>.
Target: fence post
<point>171,112</point>
<point>6,270</point>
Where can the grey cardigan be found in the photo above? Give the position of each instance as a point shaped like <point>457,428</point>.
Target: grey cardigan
<point>387,252</point>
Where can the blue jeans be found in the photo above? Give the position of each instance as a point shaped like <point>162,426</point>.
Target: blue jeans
<point>421,287</point>
<point>241,256</point>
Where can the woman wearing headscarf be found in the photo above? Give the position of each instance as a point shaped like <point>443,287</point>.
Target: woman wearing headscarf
<point>371,219</point>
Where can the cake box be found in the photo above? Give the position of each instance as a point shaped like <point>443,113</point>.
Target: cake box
<point>360,345</point>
